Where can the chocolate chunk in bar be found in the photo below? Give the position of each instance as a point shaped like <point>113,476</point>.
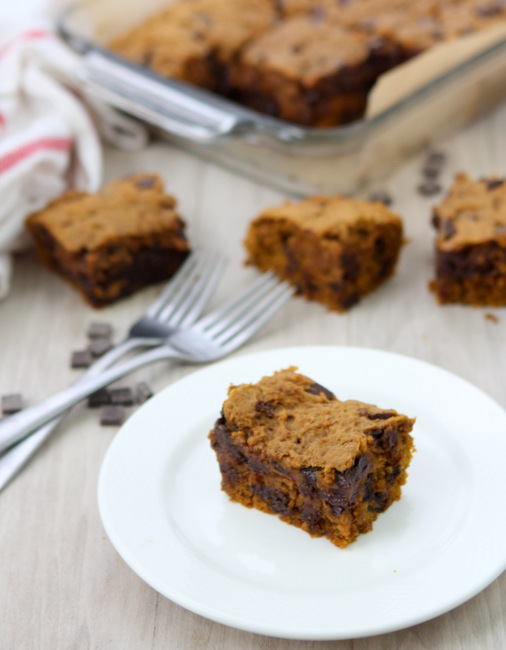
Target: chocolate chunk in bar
<point>12,403</point>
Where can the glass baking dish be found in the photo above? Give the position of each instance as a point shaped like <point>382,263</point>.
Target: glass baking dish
<point>295,159</point>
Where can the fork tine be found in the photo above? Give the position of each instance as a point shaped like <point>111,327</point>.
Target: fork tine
<point>189,304</point>
<point>186,270</point>
<point>241,330</point>
<point>231,310</point>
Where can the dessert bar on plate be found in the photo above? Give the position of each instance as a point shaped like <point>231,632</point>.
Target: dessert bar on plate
<point>110,244</point>
<point>288,446</point>
<point>333,249</point>
<point>471,243</point>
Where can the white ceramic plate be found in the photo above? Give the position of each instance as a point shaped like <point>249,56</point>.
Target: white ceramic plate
<point>443,542</point>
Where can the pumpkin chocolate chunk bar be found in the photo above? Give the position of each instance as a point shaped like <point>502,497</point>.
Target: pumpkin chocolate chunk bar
<point>287,446</point>
<point>110,244</point>
<point>333,249</point>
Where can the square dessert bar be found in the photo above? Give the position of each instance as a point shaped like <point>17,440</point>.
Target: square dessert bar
<point>471,243</point>
<point>288,446</point>
<point>195,41</point>
<point>110,244</point>
<point>333,249</point>
<point>312,71</point>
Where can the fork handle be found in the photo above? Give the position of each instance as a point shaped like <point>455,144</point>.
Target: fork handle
<point>18,426</point>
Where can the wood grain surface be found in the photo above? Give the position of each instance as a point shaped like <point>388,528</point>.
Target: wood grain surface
<point>63,586</point>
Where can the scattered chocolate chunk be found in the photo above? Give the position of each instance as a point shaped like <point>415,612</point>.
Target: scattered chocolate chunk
<point>143,392</point>
<point>100,398</point>
<point>99,331</point>
<point>381,196</point>
<point>81,359</point>
<point>11,403</point>
<point>112,415</point>
<point>492,318</point>
<point>99,346</point>
<point>434,164</point>
<point>429,188</point>
<point>436,158</point>
<point>121,396</point>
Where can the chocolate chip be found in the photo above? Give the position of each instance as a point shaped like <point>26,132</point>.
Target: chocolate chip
<point>12,403</point>
<point>429,188</point>
<point>99,398</point>
<point>447,228</point>
<point>318,389</point>
<point>380,416</point>
<point>123,396</point>
<point>381,196</point>
<point>493,182</point>
<point>99,331</point>
<point>81,359</point>
<point>143,392</point>
<point>112,415</point>
<point>436,158</point>
<point>431,171</point>
<point>146,182</point>
<point>99,346</point>
<point>264,407</point>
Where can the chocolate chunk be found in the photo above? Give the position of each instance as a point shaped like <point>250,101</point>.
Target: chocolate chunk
<point>12,403</point>
<point>431,171</point>
<point>436,158</point>
<point>146,182</point>
<point>143,392</point>
<point>99,346</point>
<point>380,416</point>
<point>317,389</point>
<point>448,228</point>
<point>99,331</point>
<point>429,188</point>
<point>264,407</point>
<point>123,396</point>
<point>81,359</point>
<point>99,398</point>
<point>112,415</point>
<point>380,196</point>
<point>494,182</point>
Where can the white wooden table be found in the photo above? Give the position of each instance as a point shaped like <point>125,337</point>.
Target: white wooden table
<point>62,584</point>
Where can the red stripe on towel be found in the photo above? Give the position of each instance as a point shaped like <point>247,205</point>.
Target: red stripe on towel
<point>31,35</point>
<point>17,155</point>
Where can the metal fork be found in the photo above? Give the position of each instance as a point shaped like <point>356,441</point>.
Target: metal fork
<point>211,338</point>
<point>178,305</point>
